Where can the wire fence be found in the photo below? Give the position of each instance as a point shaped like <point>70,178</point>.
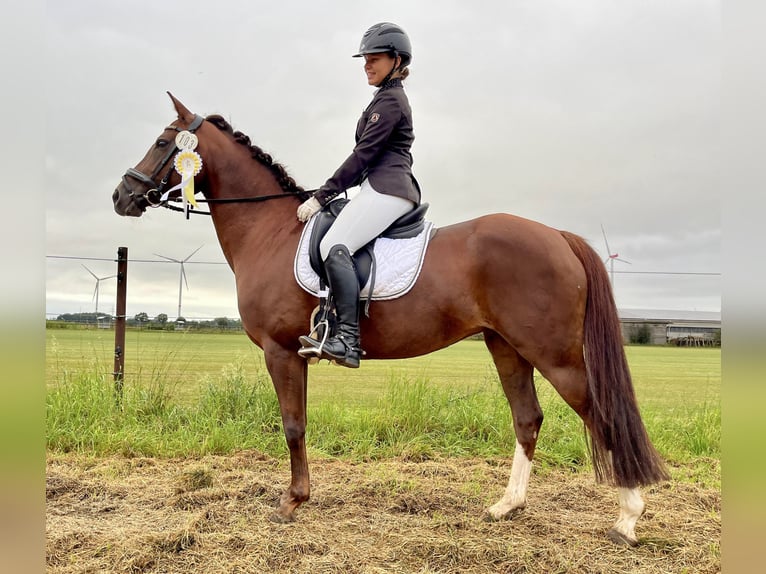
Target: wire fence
<point>190,314</point>
<point>88,303</point>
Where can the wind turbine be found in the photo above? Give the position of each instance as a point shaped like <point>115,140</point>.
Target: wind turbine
<point>182,276</point>
<point>98,283</point>
<point>611,258</point>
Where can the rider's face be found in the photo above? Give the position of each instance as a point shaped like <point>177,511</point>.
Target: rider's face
<point>377,67</point>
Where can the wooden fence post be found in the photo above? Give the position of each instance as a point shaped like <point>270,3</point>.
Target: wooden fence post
<point>119,325</point>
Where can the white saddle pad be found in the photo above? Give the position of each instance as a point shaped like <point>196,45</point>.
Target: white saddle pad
<point>398,263</point>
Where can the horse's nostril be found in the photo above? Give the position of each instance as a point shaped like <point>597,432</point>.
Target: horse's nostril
<point>115,196</point>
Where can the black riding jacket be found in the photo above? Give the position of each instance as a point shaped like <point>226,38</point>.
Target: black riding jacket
<point>384,136</point>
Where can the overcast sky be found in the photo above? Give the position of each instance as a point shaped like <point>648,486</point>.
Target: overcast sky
<point>574,114</point>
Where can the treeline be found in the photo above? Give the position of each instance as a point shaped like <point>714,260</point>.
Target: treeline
<point>143,321</point>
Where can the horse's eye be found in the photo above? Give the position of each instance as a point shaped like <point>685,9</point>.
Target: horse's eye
<point>162,143</point>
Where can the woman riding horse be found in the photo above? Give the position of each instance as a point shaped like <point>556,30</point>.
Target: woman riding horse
<point>540,297</point>
<point>381,164</point>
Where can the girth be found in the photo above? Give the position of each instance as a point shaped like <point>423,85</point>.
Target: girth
<point>408,225</point>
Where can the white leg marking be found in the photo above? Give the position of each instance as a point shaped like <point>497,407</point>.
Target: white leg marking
<point>631,509</point>
<point>516,492</point>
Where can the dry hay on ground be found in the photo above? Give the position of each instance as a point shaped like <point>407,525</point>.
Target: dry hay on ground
<point>211,515</point>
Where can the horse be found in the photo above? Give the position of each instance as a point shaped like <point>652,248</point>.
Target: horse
<point>540,297</point>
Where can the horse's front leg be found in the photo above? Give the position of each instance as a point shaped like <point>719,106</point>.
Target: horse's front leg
<point>289,375</point>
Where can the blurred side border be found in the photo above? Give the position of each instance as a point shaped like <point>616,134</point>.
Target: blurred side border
<point>22,290</point>
<point>743,311</point>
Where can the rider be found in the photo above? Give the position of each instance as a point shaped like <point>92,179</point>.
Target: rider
<point>381,164</point>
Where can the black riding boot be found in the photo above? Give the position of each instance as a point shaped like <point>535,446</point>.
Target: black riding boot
<point>344,346</point>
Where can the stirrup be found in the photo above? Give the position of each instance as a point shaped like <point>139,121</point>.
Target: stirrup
<point>314,351</point>
<point>309,346</point>
<point>311,350</point>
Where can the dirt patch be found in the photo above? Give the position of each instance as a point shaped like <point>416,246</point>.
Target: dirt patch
<point>211,515</point>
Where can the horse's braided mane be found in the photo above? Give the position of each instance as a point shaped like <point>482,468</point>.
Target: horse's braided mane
<point>286,182</point>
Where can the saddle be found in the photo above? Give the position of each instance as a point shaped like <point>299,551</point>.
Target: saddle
<point>409,225</point>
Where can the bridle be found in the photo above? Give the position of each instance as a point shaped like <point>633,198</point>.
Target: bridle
<point>153,196</point>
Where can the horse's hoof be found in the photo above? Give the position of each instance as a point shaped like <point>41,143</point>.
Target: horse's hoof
<point>278,518</point>
<point>620,539</point>
<point>489,517</point>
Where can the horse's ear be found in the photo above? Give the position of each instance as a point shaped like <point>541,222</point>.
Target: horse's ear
<point>183,112</point>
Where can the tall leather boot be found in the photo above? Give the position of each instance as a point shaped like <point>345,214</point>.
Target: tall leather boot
<point>344,346</point>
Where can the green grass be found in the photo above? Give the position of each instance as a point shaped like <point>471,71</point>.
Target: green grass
<point>192,394</point>
<point>189,360</point>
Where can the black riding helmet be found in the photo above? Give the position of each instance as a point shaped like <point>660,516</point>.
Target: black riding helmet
<point>386,37</point>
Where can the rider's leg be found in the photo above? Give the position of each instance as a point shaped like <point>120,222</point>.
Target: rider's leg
<point>343,347</point>
<point>367,215</point>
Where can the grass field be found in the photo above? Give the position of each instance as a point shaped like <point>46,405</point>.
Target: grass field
<point>191,360</point>
<point>448,402</point>
<point>665,377</point>
<point>405,456</point>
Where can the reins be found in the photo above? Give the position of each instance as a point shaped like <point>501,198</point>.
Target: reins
<point>255,199</point>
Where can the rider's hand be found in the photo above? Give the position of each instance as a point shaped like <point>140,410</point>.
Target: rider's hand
<point>307,209</point>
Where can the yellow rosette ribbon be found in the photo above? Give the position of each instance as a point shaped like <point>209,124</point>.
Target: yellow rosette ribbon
<point>188,163</point>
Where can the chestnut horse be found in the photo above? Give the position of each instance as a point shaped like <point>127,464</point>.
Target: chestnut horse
<point>541,298</point>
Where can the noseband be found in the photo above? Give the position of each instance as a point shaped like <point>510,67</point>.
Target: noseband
<point>152,196</point>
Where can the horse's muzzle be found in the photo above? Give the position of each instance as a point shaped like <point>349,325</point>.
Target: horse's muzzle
<point>128,204</point>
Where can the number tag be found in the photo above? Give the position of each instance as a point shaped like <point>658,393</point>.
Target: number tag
<point>186,140</point>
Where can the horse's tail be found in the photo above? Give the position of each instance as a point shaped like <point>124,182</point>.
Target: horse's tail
<point>620,448</point>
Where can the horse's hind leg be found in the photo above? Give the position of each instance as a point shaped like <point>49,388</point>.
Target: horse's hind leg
<point>571,383</point>
<point>516,376</point>
<point>631,509</point>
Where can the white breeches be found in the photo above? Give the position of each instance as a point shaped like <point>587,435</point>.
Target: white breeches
<point>365,217</point>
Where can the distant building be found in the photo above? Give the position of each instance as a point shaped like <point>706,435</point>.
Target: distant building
<point>661,327</point>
